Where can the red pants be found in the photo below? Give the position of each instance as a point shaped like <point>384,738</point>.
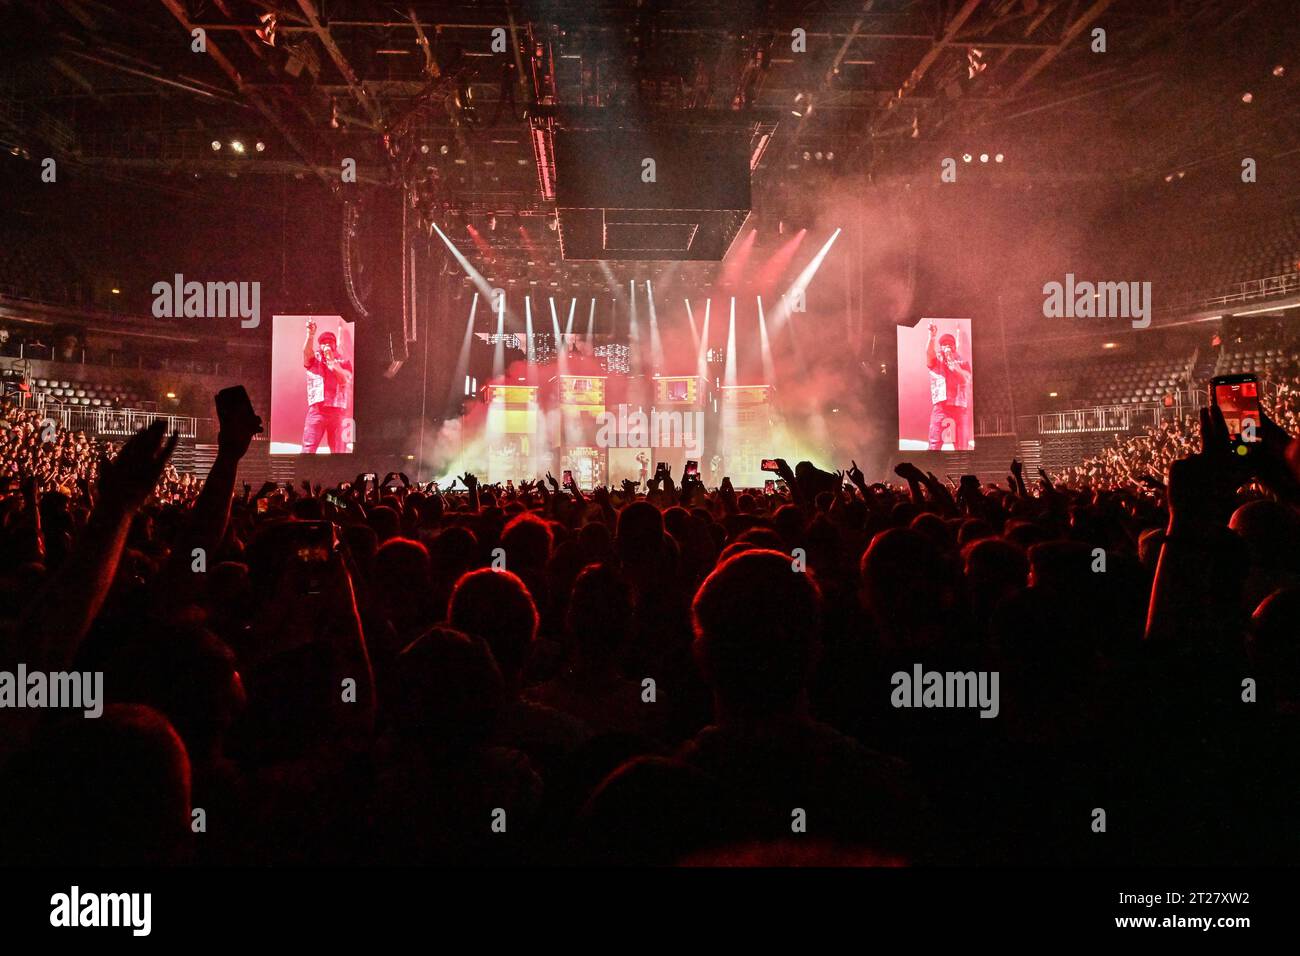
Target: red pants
<point>323,421</point>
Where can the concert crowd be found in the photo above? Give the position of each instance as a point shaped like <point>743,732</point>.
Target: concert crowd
<point>385,672</point>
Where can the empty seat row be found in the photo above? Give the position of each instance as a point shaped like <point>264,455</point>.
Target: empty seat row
<point>87,393</point>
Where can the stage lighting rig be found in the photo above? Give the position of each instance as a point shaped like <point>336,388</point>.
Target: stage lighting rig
<point>266,32</point>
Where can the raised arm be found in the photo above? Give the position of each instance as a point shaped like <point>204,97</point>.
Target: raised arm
<point>51,628</point>
<point>914,478</point>
<point>1189,597</point>
<point>309,346</point>
<point>211,514</point>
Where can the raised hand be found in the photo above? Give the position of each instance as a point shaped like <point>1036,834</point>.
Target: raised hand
<point>236,430</point>
<point>1202,485</point>
<point>469,480</point>
<point>555,485</point>
<point>629,487</point>
<point>855,474</point>
<point>908,472</point>
<point>126,481</point>
<point>1276,459</point>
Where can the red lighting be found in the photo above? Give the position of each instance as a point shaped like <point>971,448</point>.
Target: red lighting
<point>544,156</point>
<point>775,267</point>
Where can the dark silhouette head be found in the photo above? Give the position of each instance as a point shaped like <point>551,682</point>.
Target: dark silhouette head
<point>189,675</point>
<point>640,532</point>
<point>527,540</point>
<point>756,631</point>
<point>906,580</point>
<point>496,606</point>
<point>113,791</point>
<point>446,692</point>
<point>600,609</point>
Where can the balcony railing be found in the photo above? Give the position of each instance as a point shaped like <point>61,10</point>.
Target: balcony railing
<point>115,422</point>
<point>1286,284</point>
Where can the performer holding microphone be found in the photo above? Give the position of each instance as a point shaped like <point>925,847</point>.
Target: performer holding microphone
<point>950,377</point>
<point>328,378</point>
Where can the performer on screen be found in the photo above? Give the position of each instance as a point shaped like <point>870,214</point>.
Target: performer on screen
<point>644,464</point>
<point>328,378</point>
<point>950,377</point>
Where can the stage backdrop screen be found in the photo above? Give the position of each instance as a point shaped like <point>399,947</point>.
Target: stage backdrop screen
<point>935,386</point>
<point>313,386</point>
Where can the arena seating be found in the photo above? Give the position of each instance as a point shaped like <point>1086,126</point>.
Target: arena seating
<point>87,393</point>
<point>34,267</point>
<point>1215,251</point>
<point>1125,383</point>
<point>1247,358</point>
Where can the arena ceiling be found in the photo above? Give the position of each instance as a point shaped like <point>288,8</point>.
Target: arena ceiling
<point>416,93</point>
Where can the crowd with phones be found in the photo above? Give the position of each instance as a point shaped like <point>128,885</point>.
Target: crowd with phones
<point>37,452</point>
<point>391,672</point>
<point>1136,460</point>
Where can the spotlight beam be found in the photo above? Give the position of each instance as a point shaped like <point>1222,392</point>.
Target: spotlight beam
<point>475,276</point>
<point>499,352</point>
<point>462,364</point>
<point>730,420</point>
<point>729,373</point>
<point>765,346</point>
<point>800,285</point>
<point>633,331</point>
<point>528,329</point>
<point>656,343</point>
<point>556,335</point>
<point>702,356</point>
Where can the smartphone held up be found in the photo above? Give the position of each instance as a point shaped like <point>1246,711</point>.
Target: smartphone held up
<point>1238,398</point>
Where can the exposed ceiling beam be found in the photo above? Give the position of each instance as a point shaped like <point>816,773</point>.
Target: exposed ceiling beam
<point>848,42</point>
<point>814,100</point>
<point>254,46</point>
<point>1082,23</point>
<point>63,67</point>
<point>323,34</point>
<point>1039,18</point>
<point>145,75</point>
<point>259,103</point>
<point>928,60</point>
